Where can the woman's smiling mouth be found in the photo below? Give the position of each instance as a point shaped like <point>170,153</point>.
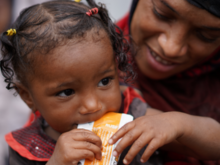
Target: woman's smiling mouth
<point>159,59</point>
<point>157,63</point>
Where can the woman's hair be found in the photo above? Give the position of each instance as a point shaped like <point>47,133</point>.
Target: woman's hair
<point>43,27</point>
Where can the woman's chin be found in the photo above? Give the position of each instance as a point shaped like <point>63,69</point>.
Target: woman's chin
<point>155,75</point>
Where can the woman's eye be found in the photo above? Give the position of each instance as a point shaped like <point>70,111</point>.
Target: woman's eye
<point>160,16</point>
<point>104,82</point>
<point>66,92</point>
<point>206,39</point>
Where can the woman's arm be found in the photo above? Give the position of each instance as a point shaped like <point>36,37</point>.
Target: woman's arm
<point>175,131</point>
<point>200,136</point>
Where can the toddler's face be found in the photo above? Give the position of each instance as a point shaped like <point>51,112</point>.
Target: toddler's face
<point>76,83</point>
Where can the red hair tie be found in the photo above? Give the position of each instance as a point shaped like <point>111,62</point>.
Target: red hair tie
<point>92,11</point>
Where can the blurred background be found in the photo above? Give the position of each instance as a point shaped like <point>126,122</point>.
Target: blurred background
<point>13,112</point>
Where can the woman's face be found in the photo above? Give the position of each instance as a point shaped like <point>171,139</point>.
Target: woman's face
<point>172,36</point>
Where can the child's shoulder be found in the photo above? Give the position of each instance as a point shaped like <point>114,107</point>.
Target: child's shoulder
<point>124,87</point>
<point>133,101</point>
<point>17,159</point>
<point>31,142</point>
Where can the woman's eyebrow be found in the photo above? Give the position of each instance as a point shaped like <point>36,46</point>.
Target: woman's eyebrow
<point>168,6</point>
<point>211,28</point>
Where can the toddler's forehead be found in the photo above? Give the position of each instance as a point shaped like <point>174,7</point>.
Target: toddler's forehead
<point>91,52</point>
<point>94,36</point>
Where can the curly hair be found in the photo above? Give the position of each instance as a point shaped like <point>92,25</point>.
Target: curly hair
<point>43,27</point>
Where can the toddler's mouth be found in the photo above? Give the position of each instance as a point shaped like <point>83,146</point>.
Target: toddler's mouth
<point>75,126</point>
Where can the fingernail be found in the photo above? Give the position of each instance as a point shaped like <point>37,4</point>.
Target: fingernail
<point>125,161</point>
<point>110,141</point>
<point>142,161</point>
<point>115,153</point>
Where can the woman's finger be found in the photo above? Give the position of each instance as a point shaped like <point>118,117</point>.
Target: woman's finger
<point>140,143</point>
<point>121,132</point>
<point>151,148</point>
<point>127,140</point>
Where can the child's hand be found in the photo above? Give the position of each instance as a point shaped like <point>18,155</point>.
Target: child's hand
<point>75,145</point>
<point>156,131</point>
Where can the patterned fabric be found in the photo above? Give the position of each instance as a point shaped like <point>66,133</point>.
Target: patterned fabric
<point>35,140</point>
<point>31,142</point>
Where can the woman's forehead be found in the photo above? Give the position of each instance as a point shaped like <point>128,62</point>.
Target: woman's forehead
<point>212,6</point>
<point>189,12</point>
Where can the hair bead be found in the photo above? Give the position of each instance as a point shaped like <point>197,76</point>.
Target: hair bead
<point>11,32</point>
<point>92,11</point>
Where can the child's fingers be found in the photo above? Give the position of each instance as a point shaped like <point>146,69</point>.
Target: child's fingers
<point>89,146</point>
<point>151,148</point>
<point>84,154</point>
<point>121,132</point>
<point>89,136</point>
<point>142,141</point>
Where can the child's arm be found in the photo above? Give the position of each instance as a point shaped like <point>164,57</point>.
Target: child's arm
<point>191,135</point>
<point>75,145</point>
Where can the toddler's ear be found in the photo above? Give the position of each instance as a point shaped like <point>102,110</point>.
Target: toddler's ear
<point>26,96</point>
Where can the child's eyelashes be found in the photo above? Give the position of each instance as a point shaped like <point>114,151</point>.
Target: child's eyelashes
<point>69,92</point>
<point>66,93</point>
<point>104,81</point>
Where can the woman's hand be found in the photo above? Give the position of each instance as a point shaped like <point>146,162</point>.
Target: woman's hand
<point>155,130</point>
<point>75,145</point>
<point>179,132</point>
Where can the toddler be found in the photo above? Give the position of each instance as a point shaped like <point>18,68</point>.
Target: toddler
<point>62,58</point>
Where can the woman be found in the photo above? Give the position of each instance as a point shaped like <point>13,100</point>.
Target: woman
<point>178,70</point>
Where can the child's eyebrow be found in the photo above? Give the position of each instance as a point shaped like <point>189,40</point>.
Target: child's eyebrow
<point>107,71</point>
<point>64,84</point>
<point>59,86</point>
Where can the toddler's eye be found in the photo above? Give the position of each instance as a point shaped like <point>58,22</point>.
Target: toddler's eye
<point>104,82</point>
<point>66,92</point>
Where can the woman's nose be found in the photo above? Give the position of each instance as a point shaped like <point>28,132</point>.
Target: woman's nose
<point>174,43</point>
<point>90,104</point>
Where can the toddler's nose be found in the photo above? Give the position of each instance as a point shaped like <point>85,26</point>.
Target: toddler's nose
<point>91,104</point>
